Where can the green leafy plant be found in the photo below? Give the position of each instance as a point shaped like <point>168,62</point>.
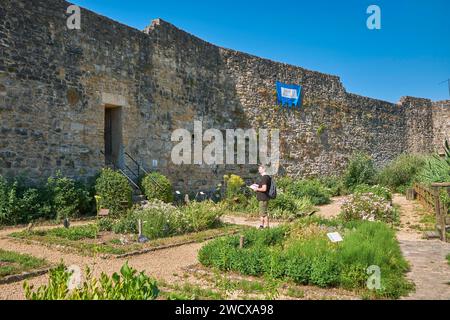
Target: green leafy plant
<point>126,285</point>
<point>69,198</point>
<point>381,191</point>
<point>360,170</point>
<point>313,189</point>
<point>114,191</point>
<point>15,263</point>
<point>368,206</point>
<point>289,252</point>
<point>233,185</point>
<point>401,172</point>
<point>157,186</point>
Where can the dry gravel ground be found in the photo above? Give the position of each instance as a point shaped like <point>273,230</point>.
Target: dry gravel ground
<point>429,270</point>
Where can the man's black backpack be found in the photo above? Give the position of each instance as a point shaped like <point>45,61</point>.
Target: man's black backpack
<point>272,194</point>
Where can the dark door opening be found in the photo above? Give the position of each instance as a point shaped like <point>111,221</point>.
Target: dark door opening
<point>113,135</point>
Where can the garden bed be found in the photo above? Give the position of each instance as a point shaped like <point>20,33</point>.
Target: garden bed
<point>15,266</point>
<point>302,253</point>
<point>201,283</point>
<point>87,240</point>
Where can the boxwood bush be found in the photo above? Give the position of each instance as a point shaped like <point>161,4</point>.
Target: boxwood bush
<point>114,191</point>
<point>157,186</point>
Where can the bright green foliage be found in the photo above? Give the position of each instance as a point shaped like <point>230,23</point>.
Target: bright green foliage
<point>368,206</point>
<point>105,224</point>
<point>334,184</point>
<point>313,189</point>
<point>287,206</point>
<point>128,285</point>
<point>59,197</point>
<point>401,172</point>
<point>69,198</point>
<point>114,191</point>
<point>157,186</point>
<point>360,170</point>
<point>234,185</point>
<point>312,259</point>
<point>381,191</point>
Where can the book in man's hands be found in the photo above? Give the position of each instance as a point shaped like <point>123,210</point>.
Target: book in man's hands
<point>254,187</point>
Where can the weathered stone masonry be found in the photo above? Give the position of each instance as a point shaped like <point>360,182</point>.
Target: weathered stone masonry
<point>55,85</point>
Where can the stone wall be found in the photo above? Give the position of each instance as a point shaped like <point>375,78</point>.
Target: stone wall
<point>55,84</point>
<point>441,124</point>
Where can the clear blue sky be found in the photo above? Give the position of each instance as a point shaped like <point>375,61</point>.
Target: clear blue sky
<point>410,55</point>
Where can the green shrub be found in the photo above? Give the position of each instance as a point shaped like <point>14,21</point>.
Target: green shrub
<point>313,189</point>
<point>157,186</point>
<point>401,172</point>
<point>368,206</point>
<point>283,183</point>
<point>127,285</point>
<point>360,170</point>
<point>21,204</point>
<point>68,197</point>
<point>201,215</point>
<point>106,224</point>
<point>114,191</point>
<point>383,192</point>
<point>334,184</point>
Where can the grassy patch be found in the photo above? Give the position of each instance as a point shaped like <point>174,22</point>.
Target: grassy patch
<point>87,241</point>
<point>14,263</point>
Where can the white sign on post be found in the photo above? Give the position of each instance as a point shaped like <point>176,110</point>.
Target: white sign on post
<point>334,237</point>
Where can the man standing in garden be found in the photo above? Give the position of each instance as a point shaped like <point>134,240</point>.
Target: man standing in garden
<point>262,195</point>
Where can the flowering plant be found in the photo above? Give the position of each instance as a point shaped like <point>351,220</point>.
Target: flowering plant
<point>368,206</point>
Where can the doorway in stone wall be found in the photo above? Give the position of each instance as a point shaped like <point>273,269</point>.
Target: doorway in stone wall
<point>113,135</point>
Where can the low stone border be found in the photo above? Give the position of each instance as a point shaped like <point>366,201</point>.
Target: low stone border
<point>168,246</point>
<point>23,276</point>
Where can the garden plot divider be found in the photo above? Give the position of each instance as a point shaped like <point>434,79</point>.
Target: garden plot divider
<point>431,200</point>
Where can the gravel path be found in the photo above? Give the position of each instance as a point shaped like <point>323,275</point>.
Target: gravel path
<point>332,210</point>
<point>429,269</point>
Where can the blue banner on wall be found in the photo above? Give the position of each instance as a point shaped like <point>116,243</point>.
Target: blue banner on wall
<point>289,94</point>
